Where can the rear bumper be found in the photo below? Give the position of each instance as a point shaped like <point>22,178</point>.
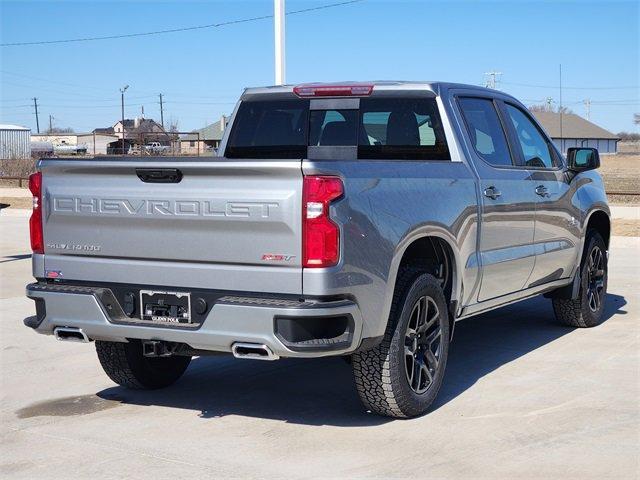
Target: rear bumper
<point>231,319</point>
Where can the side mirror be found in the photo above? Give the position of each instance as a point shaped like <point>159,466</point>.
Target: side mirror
<point>581,159</point>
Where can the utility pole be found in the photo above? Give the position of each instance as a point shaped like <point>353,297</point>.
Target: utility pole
<point>278,23</point>
<point>560,109</point>
<point>491,80</point>
<point>35,104</point>
<point>122,90</point>
<point>587,105</point>
<point>549,101</point>
<point>161,113</point>
<point>50,123</point>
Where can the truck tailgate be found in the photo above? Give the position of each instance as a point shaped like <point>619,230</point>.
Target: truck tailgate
<point>233,225</point>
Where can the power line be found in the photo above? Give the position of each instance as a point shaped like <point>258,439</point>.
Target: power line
<point>199,103</point>
<point>183,29</point>
<point>112,105</point>
<point>571,88</point>
<point>49,81</point>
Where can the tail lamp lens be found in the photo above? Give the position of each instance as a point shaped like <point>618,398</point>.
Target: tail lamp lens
<point>35,222</point>
<point>320,235</point>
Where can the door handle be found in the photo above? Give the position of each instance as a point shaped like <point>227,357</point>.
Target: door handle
<point>542,191</point>
<point>492,192</point>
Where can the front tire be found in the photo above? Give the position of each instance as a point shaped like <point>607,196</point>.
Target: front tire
<point>125,364</point>
<point>587,309</point>
<point>401,376</point>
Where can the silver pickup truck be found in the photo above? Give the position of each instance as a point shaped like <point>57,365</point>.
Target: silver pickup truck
<point>354,219</point>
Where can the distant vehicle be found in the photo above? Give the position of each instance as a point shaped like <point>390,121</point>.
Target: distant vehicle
<point>66,149</point>
<point>156,148</point>
<point>41,149</point>
<point>358,220</point>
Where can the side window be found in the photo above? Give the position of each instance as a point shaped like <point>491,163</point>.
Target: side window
<point>535,149</point>
<point>486,130</point>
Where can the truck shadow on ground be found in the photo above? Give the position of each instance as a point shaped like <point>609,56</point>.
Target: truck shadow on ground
<point>321,391</point>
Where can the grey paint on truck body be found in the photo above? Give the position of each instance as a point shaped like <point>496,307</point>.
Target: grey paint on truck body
<point>211,230</point>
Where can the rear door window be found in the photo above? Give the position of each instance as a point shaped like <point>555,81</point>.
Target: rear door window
<point>485,130</point>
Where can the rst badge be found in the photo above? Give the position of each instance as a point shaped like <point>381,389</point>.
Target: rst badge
<point>274,257</point>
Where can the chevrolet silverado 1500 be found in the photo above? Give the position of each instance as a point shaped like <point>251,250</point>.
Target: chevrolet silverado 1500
<point>357,219</point>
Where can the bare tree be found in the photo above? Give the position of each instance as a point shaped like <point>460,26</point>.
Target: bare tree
<point>549,108</point>
<point>55,130</point>
<point>636,118</point>
<point>173,125</point>
<point>17,167</point>
<point>628,136</point>
<point>173,128</point>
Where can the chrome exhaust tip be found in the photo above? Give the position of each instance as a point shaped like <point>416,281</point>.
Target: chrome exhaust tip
<point>70,334</point>
<point>255,351</point>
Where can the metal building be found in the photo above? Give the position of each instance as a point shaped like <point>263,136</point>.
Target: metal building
<point>15,142</point>
<point>577,132</point>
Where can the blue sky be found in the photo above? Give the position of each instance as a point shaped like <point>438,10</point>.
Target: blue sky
<point>202,72</point>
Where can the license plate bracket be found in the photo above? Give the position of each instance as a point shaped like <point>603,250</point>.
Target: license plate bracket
<point>165,307</point>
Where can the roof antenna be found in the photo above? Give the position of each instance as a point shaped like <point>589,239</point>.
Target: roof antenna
<point>560,108</point>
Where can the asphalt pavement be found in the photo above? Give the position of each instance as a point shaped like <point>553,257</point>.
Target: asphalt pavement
<point>523,397</point>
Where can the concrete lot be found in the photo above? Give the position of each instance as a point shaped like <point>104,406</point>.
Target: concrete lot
<point>523,398</point>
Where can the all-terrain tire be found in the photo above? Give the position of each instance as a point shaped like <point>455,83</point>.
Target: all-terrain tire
<point>381,374</point>
<point>125,364</point>
<point>580,312</point>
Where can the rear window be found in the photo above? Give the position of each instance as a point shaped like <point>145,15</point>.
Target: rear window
<point>383,128</point>
<point>270,129</point>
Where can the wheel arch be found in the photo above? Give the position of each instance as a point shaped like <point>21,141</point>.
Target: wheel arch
<point>426,249</point>
<point>600,221</point>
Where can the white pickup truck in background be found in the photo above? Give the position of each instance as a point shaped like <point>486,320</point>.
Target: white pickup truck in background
<point>156,148</point>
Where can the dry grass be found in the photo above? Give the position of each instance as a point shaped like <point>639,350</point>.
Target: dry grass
<point>621,173</point>
<point>626,228</point>
<point>17,202</point>
<point>12,167</point>
<point>12,183</point>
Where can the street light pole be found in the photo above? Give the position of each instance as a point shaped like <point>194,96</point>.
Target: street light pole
<point>278,23</point>
<point>122,90</point>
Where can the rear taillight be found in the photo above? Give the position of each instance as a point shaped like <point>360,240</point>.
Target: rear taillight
<point>324,90</point>
<point>320,236</point>
<point>35,222</point>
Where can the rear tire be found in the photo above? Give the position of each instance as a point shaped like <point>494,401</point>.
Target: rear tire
<point>125,364</point>
<point>401,376</point>
<point>586,310</point>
